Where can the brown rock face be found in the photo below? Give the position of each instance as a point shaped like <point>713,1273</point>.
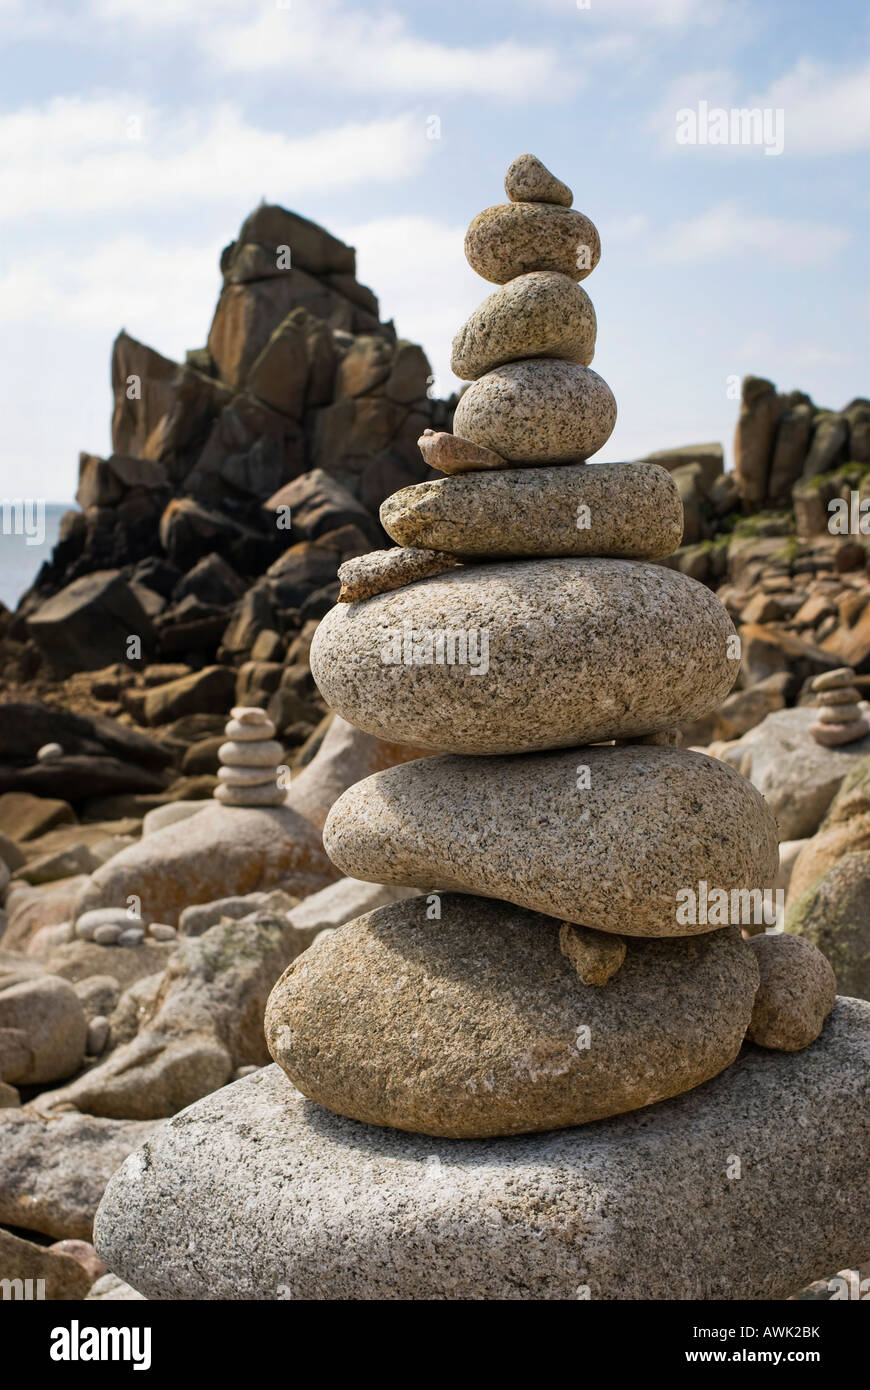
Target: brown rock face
<point>754,439</point>
<point>489,1028</point>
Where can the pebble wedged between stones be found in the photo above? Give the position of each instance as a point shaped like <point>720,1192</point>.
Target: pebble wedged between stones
<point>382,570</point>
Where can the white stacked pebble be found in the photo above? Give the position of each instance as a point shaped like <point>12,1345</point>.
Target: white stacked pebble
<point>248,774</point>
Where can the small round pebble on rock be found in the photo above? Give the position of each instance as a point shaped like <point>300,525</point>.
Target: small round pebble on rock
<point>98,1036</point>
<point>596,956</point>
<point>133,936</point>
<point>108,934</point>
<point>162,931</point>
<point>49,753</point>
<point>265,754</point>
<point>249,714</point>
<point>238,732</point>
<point>796,993</point>
<point>529,181</point>
<point>834,680</point>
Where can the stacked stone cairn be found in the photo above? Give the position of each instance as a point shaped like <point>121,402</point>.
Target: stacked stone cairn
<point>841,718</point>
<point>552,970</point>
<point>249,761</point>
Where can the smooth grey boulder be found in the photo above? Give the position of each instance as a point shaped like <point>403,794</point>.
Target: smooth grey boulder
<point>256,1193</point>
<point>485,1028</point>
<point>623,510</point>
<point>797,776</point>
<point>541,410</point>
<point>516,657</point>
<point>542,314</point>
<point>608,838</point>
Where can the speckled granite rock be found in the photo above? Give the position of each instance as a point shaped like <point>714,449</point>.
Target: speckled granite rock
<point>263,794</point>
<point>542,314</point>
<point>596,956</point>
<point>835,734</point>
<point>798,778</point>
<point>612,856</point>
<point>451,454</point>
<point>637,1207</point>
<point>834,680</point>
<point>538,411</point>
<point>511,239</point>
<point>505,1037</point>
<point>833,914</point>
<point>630,510</point>
<point>263,753</point>
<point>796,993</point>
<point>383,570</point>
<point>220,852</point>
<point>529,181</point>
<point>557,652</point>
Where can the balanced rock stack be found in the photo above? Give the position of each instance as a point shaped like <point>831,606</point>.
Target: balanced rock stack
<point>562,964</point>
<point>841,718</point>
<point>569,987</point>
<point>249,761</point>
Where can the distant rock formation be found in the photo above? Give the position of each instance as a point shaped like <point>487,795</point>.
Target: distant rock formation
<point>275,443</point>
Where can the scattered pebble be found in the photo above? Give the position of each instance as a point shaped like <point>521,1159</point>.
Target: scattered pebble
<point>98,1035</point>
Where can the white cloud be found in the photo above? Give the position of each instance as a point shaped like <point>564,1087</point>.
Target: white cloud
<point>76,157</point>
<point>726,232</point>
<point>164,294</point>
<point>826,109</point>
<point>647,14</point>
<point>332,41</point>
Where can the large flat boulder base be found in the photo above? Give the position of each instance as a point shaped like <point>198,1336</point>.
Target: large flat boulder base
<point>256,1193</point>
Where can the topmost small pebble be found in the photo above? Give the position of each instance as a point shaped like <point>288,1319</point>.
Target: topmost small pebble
<point>529,181</point>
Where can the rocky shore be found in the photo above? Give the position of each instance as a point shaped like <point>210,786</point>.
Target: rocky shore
<point>222,739</point>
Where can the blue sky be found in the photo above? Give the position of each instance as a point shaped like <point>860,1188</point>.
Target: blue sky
<point>136,134</point>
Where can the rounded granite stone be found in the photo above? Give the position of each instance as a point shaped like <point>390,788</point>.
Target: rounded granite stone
<point>542,314</point>
<point>839,714</point>
<point>797,992</point>
<point>630,510</point>
<point>834,680</point>
<point>843,695</point>
<point>250,796</point>
<point>529,181</point>
<point>235,776</point>
<point>484,1028</point>
<point>540,410</point>
<point>513,238</point>
<point>265,753</point>
<point>237,732</point>
<point>836,735</point>
<point>607,838</point>
<point>526,655</point>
